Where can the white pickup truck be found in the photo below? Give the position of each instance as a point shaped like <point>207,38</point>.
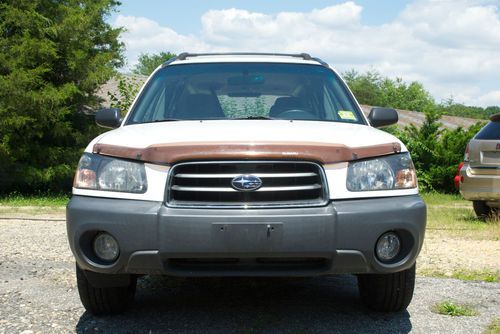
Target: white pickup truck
<point>245,164</point>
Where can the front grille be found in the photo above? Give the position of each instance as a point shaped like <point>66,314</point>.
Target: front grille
<point>210,184</point>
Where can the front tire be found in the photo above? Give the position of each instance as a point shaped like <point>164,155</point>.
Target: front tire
<point>387,292</point>
<point>104,301</point>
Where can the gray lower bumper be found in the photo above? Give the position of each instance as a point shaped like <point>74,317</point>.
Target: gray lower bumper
<point>155,239</point>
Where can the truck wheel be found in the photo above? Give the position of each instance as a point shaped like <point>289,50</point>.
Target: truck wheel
<point>104,301</point>
<point>387,292</point>
<point>481,209</point>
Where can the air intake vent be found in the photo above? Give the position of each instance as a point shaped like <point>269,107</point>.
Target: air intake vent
<point>247,184</point>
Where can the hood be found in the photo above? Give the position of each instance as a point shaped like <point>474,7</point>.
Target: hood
<point>144,135</point>
<point>169,142</point>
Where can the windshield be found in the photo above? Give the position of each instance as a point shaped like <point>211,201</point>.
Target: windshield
<point>245,91</point>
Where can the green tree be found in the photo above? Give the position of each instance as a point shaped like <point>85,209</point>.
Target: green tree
<point>54,55</point>
<point>400,95</point>
<point>450,107</point>
<point>366,87</point>
<point>149,62</point>
<point>373,89</point>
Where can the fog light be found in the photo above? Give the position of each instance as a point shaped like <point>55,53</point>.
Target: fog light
<point>106,247</point>
<point>388,246</point>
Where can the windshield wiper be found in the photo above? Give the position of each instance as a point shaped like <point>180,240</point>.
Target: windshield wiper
<point>255,117</point>
<point>164,120</point>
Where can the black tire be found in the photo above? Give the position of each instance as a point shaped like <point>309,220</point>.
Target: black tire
<point>104,301</point>
<point>481,209</point>
<point>387,292</point>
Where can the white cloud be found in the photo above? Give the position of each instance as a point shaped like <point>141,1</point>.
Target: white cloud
<point>489,99</point>
<point>452,47</point>
<point>342,15</point>
<point>143,35</point>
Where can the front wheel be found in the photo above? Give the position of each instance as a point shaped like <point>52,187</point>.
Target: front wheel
<point>104,301</point>
<point>387,292</point>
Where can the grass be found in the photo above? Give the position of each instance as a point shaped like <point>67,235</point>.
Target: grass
<point>16,205</point>
<point>455,216</point>
<point>453,309</point>
<point>435,198</point>
<point>17,200</point>
<point>494,327</point>
<point>464,275</point>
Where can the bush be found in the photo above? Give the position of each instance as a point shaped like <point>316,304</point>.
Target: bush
<point>436,152</point>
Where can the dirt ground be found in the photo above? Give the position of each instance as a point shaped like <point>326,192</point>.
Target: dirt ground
<point>446,255</point>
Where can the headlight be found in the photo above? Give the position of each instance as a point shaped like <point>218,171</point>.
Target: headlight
<point>384,173</point>
<point>103,173</point>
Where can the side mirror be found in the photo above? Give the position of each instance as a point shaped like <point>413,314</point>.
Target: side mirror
<point>108,118</point>
<point>380,117</point>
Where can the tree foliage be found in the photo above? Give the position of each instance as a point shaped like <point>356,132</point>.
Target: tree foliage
<point>54,55</point>
<point>149,62</point>
<point>452,108</point>
<point>373,89</point>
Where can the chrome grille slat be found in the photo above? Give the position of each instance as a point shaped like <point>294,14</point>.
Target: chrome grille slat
<point>284,184</point>
<point>217,189</point>
<point>262,175</point>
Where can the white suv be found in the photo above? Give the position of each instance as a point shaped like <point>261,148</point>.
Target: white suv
<point>245,165</point>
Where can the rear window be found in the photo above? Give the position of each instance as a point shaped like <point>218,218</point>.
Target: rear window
<point>245,90</point>
<point>490,131</point>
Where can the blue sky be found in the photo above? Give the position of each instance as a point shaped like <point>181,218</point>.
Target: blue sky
<point>451,46</point>
<point>185,15</point>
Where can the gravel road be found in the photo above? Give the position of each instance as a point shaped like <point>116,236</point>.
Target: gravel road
<point>38,295</point>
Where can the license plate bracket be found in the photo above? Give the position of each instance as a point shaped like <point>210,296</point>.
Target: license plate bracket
<point>248,236</point>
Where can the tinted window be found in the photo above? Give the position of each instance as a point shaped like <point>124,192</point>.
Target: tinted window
<point>245,90</point>
<point>489,131</point>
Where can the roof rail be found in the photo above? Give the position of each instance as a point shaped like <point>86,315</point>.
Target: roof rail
<point>305,56</point>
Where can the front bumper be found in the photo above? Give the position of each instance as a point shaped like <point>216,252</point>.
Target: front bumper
<point>155,239</point>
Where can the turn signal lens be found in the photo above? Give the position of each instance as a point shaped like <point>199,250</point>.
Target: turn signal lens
<point>406,178</point>
<point>85,176</point>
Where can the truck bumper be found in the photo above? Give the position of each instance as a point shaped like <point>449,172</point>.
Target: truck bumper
<point>155,239</point>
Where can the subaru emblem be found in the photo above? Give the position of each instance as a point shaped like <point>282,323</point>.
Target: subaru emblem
<point>246,183</point>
